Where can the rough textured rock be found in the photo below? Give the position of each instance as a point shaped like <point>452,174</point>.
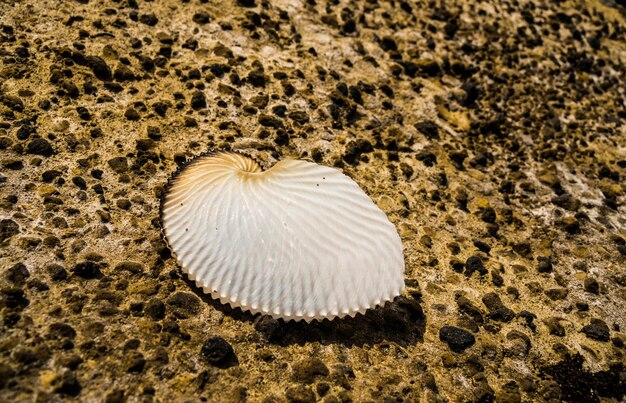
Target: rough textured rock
<point>491,133</point>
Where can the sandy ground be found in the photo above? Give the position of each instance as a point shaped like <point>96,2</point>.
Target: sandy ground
<point>492,134</point>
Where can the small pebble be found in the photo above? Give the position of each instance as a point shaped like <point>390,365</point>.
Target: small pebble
<point>216,351</point>
<point>457,339</point>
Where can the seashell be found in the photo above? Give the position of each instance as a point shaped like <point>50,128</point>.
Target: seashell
<point>298,241</point>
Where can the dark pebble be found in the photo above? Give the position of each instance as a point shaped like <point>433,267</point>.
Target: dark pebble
<point>118,164</point>
<point>591,285</point>
<point>201,17</point>
<point>149,19</point>
<point>99,67</point>
<point>428,67</point>
<point>219,70</point>
<point>83,113</point>
<point>474,263</point>
<point>38,285</point>
<point>40,146</point>
<point>132,114</point>
<point>17,274</point>
<point>154,133</point>
<point>87,270</point>
<point>160,108</point>
<point>388,44</point>
<point>597,330</point>
<point>115,396</point>
<point>482,246</point>
<point>246,3</point>
<point>132,267</point>
<point>282,137</point>
<point>123,73</point>
<point>556,294</point>
<point>13,102</point>
<point>6,373</point>
<point>5,142</point>
<point>269,327</point>
<point>256,78</point>
<point>216,351</point>
<point>67,384</point>
<point>124,204</point>
<point>582,306</point>
<point>61,331</point>
<point>554,326</point>
<point>472,92</point>
<point>25,131</point>
<point>497,279</point>
<point>492,301</point>
<point>299,116</point>
<point>322,388</point>
<point>279,110</point>
<point>427,158</point>
<point>184,304</point>
<point>135,362</point>
<point>503,314</point>
<point>198,100</point>
<point>355,149</point>
<point>466,306</point>
<point>13,164</point>
<point>457,339</point>
<point>56,272</point>
<point>307,369</point>
<point>31,356</point>
<point>567,202</point>
<point>71,89</point>
<point>544,264</point>
<point>96,133</point>
<point>13,298</point>
<point>155,309</point>
<point>50,175</point>
<point>79,182</point>
<point>190,122</point>
<point>497,310</point>
<point>8,228</point>
<point>488,215</point>
<point>270,121</point>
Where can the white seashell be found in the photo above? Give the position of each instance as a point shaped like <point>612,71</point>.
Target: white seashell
<point>299,241</point>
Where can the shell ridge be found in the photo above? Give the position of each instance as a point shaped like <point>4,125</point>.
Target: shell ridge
<point>211,219</point>
<point>248,295</point>
<point>367,242</point>
<point>344,197</point>
<point>267,289</point>
<point>355,223</point>
<point>223,222</point>
<point>261,196</point>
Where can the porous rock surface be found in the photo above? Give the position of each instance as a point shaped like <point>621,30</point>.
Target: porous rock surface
<point>491,132</point>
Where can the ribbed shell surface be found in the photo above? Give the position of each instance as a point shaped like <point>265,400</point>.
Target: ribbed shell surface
<point>299,241</point>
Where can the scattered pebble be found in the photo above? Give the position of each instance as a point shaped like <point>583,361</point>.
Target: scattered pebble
<point>597,330</point>
<point>308,369</point>
<point>457,339</point>
<point>216,351</point>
